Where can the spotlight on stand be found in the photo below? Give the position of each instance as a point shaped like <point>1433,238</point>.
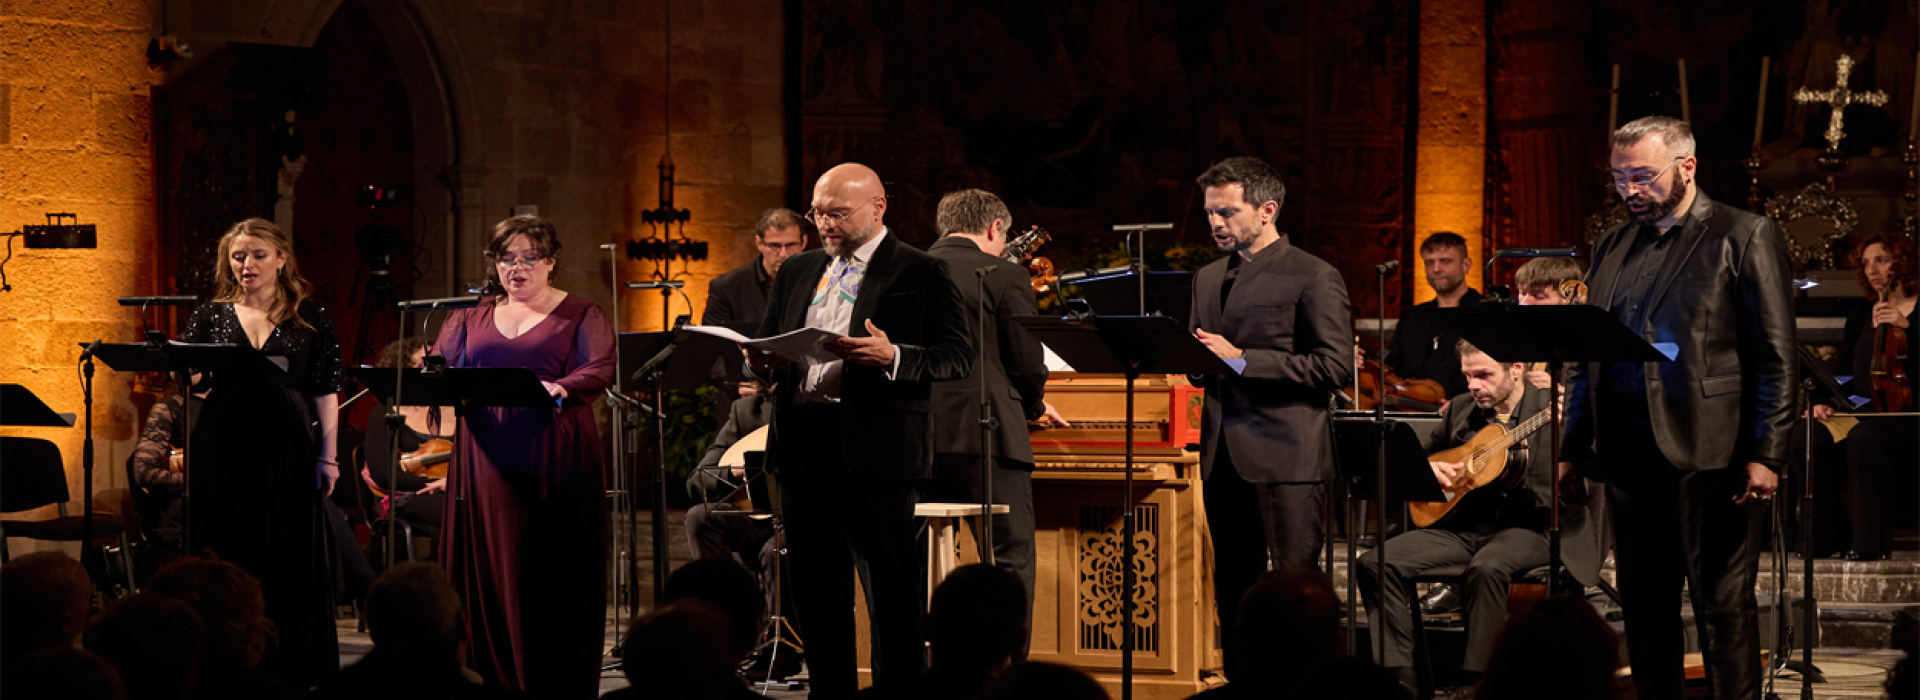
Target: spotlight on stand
<point>62,230</point>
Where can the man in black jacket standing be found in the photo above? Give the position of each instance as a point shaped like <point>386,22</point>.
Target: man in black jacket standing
<point>1265,451</point>
<point>1689,447</point>
<point>850,438</point>
<point>973,235</point>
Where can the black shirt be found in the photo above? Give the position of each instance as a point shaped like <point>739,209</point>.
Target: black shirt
<point>1626,382</point>
<point>1422,348</point>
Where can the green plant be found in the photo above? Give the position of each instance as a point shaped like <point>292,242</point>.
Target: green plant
<point>690,425</point>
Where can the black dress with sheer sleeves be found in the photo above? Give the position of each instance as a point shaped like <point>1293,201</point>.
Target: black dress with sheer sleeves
<point>255,494</point>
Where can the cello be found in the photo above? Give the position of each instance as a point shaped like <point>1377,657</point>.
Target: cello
<point>1892,387</point>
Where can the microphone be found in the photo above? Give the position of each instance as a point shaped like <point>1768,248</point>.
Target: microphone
<point>609,246</point>
<point>1386,267</point>
<point>159,301</point>
<point>441,303</point>
<point>657,284</point>
<point>984,271</point>
<point>92,348</point>
<point>1078,275</point>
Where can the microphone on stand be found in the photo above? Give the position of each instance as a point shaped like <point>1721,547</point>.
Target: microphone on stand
<point>441,303</point>
<point>657,284</point>
<point>984,271</point>
<point>159,301</point>
<point>1386,267</point>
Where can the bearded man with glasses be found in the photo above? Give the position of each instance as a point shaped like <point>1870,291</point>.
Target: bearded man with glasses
<point>1688,448</point>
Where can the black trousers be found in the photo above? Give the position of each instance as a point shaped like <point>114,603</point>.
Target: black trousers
<point>1492,560</point>
<point>956,479</point>
<point>1254,526</point>
<point>1880,451</point>
<point>717,531</point>
<point>837,521</point>
<point>1675,526</point>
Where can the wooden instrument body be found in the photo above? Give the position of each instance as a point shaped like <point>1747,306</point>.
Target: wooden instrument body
<point>1892,388</point>
<point>1040,270</point>
<point>736,456</point>
<point>1419,395</point>
<point>430,460</point>
<point>1492,462</point>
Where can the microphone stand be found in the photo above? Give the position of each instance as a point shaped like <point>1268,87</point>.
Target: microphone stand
<point>397,421</point>
<point>86,450</point>
<point>660,553</point>
<point>988,423</point>
<point>1380,463</point>
<point>621,492</point>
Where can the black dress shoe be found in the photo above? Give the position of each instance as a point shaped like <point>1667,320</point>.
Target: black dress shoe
<point>1857,555</point>
<point>1441,599</point>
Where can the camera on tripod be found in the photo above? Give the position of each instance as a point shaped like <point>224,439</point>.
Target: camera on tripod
<point>378,243</point>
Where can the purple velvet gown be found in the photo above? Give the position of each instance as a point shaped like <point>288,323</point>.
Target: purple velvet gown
<point>525,534</point>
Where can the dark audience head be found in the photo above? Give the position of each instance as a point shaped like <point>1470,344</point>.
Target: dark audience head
<point>682,650</point>
<point>1289,624</point>
<point>977,619</point>
<point>413,611</point>
<point>233,612</point>
<point>43,604</point>
<point>1560,649</point>
<point>1351,679</point>
<point>153,641</point>
<point>67,674</point>
<point>1041,680</point>
<point>727,586</point>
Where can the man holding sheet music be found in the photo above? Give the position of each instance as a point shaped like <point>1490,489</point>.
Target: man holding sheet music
<point>1265,449</point>
<point>850,436</point>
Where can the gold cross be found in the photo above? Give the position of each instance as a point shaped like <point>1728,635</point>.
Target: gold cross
<point>1839,97</point>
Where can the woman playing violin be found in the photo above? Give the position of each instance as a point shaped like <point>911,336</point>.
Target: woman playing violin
<point>421,490</point>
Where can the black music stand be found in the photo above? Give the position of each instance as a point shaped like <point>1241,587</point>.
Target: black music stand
<point>1165,293</point>
<point>231,360</point>
<point>1555,335</point>
<point>459,387</point>
<point>1132,346</point>
<point>19,407</point>
<point>1403,475</point>
<point>646,351</point>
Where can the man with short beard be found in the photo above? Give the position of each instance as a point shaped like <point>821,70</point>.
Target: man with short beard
<point>1421,348</point>
<point>850,437</point>
<point>1689,447</point>
<point>1264,449</point>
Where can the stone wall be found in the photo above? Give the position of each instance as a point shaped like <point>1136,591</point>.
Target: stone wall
<point>75,136</point>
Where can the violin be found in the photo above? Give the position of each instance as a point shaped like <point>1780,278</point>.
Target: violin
<point>1892,388</point>
<point>1413,395</point>
<point>430,460</point>
<point>1039,269</point>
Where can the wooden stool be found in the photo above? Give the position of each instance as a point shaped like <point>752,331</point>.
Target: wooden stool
<point>942,558</point>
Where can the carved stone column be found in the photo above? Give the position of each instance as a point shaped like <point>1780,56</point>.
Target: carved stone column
<point>1450,180</point>
<point>467,183</point>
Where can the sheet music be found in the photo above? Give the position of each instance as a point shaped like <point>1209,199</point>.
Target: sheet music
<point>1054,363</point>
<point>799,344</point>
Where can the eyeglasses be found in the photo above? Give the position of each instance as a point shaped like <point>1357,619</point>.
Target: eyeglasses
<point>512,262</point>
<point>1644,182</point>
<point>820,218</point>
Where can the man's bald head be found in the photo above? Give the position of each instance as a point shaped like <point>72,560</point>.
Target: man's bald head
<point>849,203</point>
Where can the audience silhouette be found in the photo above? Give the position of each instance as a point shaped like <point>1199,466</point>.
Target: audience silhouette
<point>419,643</point>
<point>154,642</point>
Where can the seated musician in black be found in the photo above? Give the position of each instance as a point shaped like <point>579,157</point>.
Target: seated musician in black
<point>1496,535</point>
<point>157,485</point>
<point>421,501</point>
<point>714,527</point>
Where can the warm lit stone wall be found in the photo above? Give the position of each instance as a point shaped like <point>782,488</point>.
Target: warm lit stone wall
<point>1450,179</point>
<point>75,136</point>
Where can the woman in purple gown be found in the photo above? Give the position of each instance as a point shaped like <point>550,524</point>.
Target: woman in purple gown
<point>525,532</point>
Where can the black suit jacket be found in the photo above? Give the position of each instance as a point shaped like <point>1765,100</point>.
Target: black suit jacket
<point>1288,311</point>
<point>908,294</point>
<point>1014,366</point>
<point>737,296</point>
<point>1723,299</point>
<point>1526,504</point>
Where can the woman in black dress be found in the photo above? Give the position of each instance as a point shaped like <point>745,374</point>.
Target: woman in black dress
<point>262,456</point>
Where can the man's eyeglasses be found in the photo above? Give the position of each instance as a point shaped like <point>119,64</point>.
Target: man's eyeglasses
<point>512,262</point>
<point>1644,182</point>
<point>820,218</point>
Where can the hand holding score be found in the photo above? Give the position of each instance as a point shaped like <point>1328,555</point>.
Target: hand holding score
<point>1219,345</point>
<point>764,363</point>
<point>874,350</point>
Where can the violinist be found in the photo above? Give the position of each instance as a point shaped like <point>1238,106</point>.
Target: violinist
<point>1878,449</point>
<point>422,494</point>
<point>156,466</point>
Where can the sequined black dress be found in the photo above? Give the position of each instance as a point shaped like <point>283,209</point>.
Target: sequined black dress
<point>255,498</point>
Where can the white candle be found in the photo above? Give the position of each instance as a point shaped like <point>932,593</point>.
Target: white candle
<point>1613,102</point>
<point>1760,112</point>
<point>1686,107</point>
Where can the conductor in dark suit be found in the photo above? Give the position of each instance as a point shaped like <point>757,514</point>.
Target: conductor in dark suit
<point>1688,448</point>
<point>1265,451</point>
<point>740,295</point>
<point>973,235</point>
<point>851,437</point>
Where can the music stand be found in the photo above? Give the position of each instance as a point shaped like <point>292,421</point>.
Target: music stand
<point>233,360</point>
<point>1555,335</point>
<point>1132,346</point>
<point>19,407</point>
<point>1402,476</point>
<point>1167,293</point>
<point>459,387</point>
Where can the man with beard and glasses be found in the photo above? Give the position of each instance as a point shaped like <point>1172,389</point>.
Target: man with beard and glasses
<point>1281,313</point>
<point>850,437</point>
<point>1421,348</point>
<point>1688,448</point>
<point>1496,535</point>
